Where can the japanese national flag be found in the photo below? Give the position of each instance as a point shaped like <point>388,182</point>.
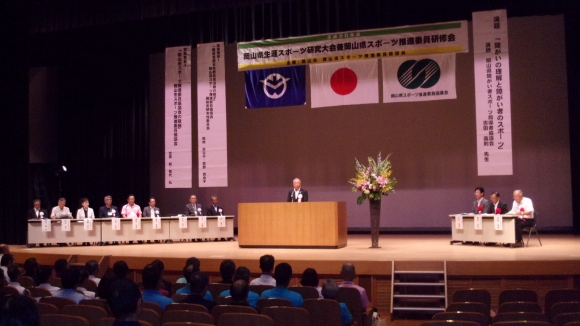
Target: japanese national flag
<point>344,83</point>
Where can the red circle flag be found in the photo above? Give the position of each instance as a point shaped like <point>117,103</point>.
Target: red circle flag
<point>343,81</point>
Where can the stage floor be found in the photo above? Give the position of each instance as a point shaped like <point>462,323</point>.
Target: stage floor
<point>393,248</point>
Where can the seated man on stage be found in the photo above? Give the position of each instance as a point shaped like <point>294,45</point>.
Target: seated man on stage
<point>193,208</point>
<point>480,205</point>
<point>214,209</point>
<point>36,211</point>
<point>297,194</point>
<point>131,210</point>
<point>523,207</point>
<point>283,274</point>
<point>151,210</point>
<point>497,206</point>
<point>108,210</point>
<point>60,211</point>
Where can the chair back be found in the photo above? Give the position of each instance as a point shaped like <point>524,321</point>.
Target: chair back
<point>177,298</point>
<point>563,319</point>
<point>106,322</point>
<point>307,292</point>
<point>238,319</point>
<point>46,308</point>
<point>351,298</point>
<point>185,306</point>
<point>517,295</point>
<point>520,316</point>
<point>26,281</point>
<point>468,307</point>
<point>101,303</point>
<point>449,323</point>
<point>150,316</point>
<point>561,295</point>
<point>272,302</point>
<point>473,295</point>
<point>10,290</point>
<point>153,306</point>
<point>260,288</point>
<point>177,286</point>
<point>565,307</point>
<point>481,319</point>
<point>56,282</point>
<point>519,307</point>
<point>216,288</point>
<point>219,310</point>
<point>223,300</point>
<point>573,323</point>
<point>323,312</point>
<point>58,301</point>
<point>187,316</point>
<point>288,316</point>
<point>54,319</point>
<point>178,323</point>
<point>522,323</point>
<point>91,313</point>
<point>39,292</point>
<point>90,285</point>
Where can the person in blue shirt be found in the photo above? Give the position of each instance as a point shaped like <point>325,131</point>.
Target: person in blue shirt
<point>125,302</point>
<point>187,272</point>
<point>151,279</point>
<point>243,273</point>
<point>282,274</point>
<point>190,261</point>
<point>70,279</point>
<point>330,291</point>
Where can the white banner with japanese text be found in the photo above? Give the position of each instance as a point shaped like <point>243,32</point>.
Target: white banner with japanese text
<point>212,137</point>
<point>449,37</point>
<point>492,93</point>
<point>419,78</point>
<point>178,142</point>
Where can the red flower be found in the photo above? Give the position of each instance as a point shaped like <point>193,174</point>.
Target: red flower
<point>498,210</point>
<point>479,209</point>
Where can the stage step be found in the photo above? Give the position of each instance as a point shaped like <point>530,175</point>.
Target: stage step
<point>418,288</point>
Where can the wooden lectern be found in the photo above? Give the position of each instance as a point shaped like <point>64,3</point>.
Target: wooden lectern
<point>292,225</point>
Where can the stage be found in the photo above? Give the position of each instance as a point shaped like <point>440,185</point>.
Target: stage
<point>556,264</point>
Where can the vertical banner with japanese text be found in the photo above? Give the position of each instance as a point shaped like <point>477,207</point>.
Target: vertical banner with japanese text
<point>178,142</point>
<point>492,93</point>
<point>211,115</point>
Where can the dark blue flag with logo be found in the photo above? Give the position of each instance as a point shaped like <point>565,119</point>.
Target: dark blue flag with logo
<point>275,87</point>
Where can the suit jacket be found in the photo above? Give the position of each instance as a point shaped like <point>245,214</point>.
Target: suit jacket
<point>104,211</point>
<point>81,214</point>
<point>501,205</point>
<point>302,191</point>
<point>211,211</point>
<point>485,203</point>
<point>193,211</point>
<point>32,214</point>
<point>147,211</point>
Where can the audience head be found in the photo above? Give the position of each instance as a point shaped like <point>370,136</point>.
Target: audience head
<point>228,269</point>
<point>14,272</point>
<point>2,279</point>
<point>198,283</point>
<point>124,300</point>
<point>151,277</point>
<point>309,277</point>
<point>7,260</point>
<point>193,261</point>
<point>70,278</point>
<point>92,266</point>
<point>59,266</point>
<point>159,265</point>
<point>267,264</point>
<point>18,310</point>
<point>242,273</point>
<point>83,276</point>
<point>188,270</point>
<point>44,274</point>
<point>348,272</point>
<point>239,291</point>
<point>282,274</point>
<point>31,267</point>
<point>120,268</point>
<point>329,289</point>
<point>4,249</point>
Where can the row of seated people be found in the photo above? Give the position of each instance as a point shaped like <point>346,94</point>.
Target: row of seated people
<point>516,307</point>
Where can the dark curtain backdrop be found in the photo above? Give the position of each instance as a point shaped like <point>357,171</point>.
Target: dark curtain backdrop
<point>100,49</point>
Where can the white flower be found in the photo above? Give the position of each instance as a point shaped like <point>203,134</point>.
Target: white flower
<point>367,192</point>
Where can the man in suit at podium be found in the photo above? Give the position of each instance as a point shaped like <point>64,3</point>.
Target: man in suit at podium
<point>193,208</point>
<point>480,205</point>
<point>37,212</point>
<point>497,206</point>
<point>297,194</point>
<point>214,209</point>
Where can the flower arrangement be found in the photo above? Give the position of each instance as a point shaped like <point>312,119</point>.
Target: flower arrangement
<point>374,180</point>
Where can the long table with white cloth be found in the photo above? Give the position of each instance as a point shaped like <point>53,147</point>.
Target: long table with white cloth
<point>483,228</point>
<point>41,231</point>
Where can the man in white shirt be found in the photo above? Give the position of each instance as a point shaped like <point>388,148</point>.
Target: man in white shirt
<point>13,273</point>
<point>6,262</point>
<point>267,267</point>
<point>70,279</point>
<point>131,210</point>
<point>523,207</point>
<point>92,266</point>
<point>44,275</point>
<point>60,211</point>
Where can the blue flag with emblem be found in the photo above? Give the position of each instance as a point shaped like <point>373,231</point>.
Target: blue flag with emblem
<point>275,87</point>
